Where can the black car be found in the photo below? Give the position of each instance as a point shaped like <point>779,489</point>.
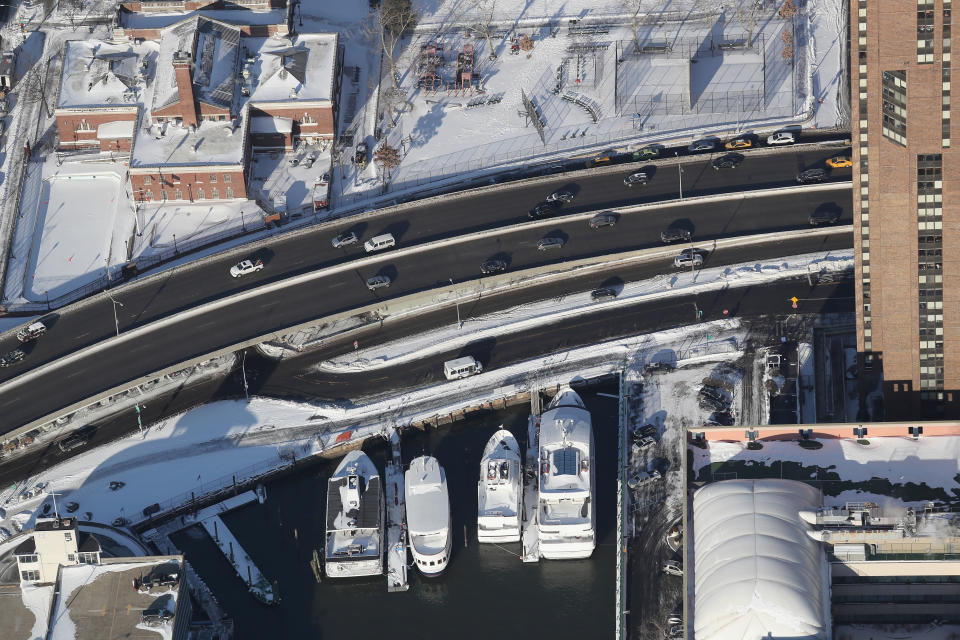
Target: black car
<point>675,234</point>
<point>545,209</point>
<point>493,265</point>
<point>713,404</point>
<point>812,175</point>
<point>12,358</point>
<point>603,293</point>
<point>722,418</point>
<point>728,161</point>
<point>712,392</point>
<point>603,220</point>
<point>563,197</point>
<point>824,215</point>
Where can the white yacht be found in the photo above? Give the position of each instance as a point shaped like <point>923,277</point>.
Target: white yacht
<point>499,491</point>
<point>565,512</point>
<point>428,515</point>
<point>355,519</point>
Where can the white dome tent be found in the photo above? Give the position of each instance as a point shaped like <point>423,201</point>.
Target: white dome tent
<point>757,572</point>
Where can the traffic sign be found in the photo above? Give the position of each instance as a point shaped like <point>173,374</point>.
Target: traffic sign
<point>794,300</point>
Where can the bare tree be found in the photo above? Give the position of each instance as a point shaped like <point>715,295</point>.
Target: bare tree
<point>387,158</point>
<point>388,24</point>
<point>31,89</point>
<point>484,28</point>
<point>749,13</point>
<point>73,10</point>
<point>638,10</point>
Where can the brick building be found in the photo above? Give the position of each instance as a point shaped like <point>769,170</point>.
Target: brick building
<point>906,186</point>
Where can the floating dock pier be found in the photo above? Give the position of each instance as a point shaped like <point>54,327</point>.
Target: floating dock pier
<point>396,549</point>
<point>529,531</point>
<point>259,586</point>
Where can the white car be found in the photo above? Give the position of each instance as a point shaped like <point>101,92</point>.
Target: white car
<point>781,137</point>
<point>673,568</point>
<point>244,267</point>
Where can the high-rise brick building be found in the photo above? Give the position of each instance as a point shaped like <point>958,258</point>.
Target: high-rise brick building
<point>906,202</point>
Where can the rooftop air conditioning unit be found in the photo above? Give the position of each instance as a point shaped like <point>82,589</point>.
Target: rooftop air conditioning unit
<point>245,91</point>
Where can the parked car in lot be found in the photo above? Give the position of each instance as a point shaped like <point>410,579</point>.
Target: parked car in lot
<point>545,209</point>
<point>702,145</point>
<point>688,258</point>
<point>811,176</point>
<point>644,443</point>
<point>712,392</point>
<point>781,137</point>
<point>824,215</point>
<point>649,152</point>
<point>550,242</point>
<point>493,265</point>
<point>345,240</point>
<point>245,267</point>
<point>603,220</point>
<point>378,282</point>
<point>603,293</point>
<point>642,477</point>
<point>563,197</point>
<point>713,404</point>
<point>637,178</point>
<point>722,418</point>
<point>728,161</point>
<point>675,234</point>
<point>673,568</point>
<point>739,143</point>
<point>31,332</point>
<point>839,162</point>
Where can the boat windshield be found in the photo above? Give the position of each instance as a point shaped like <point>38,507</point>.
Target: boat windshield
<point>565,461</point>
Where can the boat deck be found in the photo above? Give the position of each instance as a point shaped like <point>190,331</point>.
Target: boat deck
<point>396,540</point>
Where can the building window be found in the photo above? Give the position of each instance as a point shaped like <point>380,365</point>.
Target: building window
<point>28,576</point>
<point>163,194</point>
<point>147,180</point>
<point>215,193</point>
<point>178,194</point>
<point>84,125</point>
<point>148,194</point>
<point>30,559</point>
<point>71,557</point>
<point>213,177</point>
<point>895,106</point>
<point>176,179</point>
<point>226,177</point>
<point>229,192</point>
<point>88,558</point>
<point>68,537</point>
<point>200,194</point>
<point>307,119</point>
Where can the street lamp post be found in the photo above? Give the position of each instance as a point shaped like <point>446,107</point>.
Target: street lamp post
<point>679,172</point>
<point>175,250</point>
<point>116,322</point>
<point>243,370</point>
<point>457,302</point>
<point>693,277</point>
<point>139,420</point>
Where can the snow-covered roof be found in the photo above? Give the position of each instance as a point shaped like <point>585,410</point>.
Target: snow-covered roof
<point>168,144</point>
<point>99,73</point>
<point>214,48</point>
<point>286,69</point>
<point>267,124</point>
<point>428,506</point>
<point>565,441</point>
<point>140,20</point>
<point>757,572</point>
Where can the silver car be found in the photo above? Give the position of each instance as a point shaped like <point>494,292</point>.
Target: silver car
<point>550,242</point>
<point>702,145</point>
<point>378,282</point>
<point>563,196</point>
<point>688,258</point>
<point>345,240</point>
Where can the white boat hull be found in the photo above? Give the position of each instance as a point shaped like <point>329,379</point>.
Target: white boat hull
<point>500,490</point>
<point>440,560</point>
<point>355,569</point>
<point>497,536</point>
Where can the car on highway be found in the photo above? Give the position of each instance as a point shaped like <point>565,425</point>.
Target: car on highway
<point>379,243</point>
<point>650,152</point>
<point>563,197</point>
<point>781,137</point>
<point>728,161</point>
<point>811,176</point>
<point>675,234</point>
<point>493,265</point>
<point>824,215</point>
<point>603,220</point>
<point>31,332</point>
<point>839,162</point>
<point>345,240</point>
<point>638,177</point>
<point>739,143</point>
<point>545,209</point>
<point>688,258</point>
<point>244,267</point>
<point>378,282</point>
<point>603,293</point>
<point>550,242</point>
<point>702,145</point>
<point>76,439</point>
<point>12,358</point>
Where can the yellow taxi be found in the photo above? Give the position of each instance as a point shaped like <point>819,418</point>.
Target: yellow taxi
<point>840,162</point>
<point>739,143</point>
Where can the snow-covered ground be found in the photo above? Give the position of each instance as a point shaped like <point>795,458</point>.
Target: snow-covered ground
<point>896,632</point>
<point>273,180</point>
<point>934,461</point>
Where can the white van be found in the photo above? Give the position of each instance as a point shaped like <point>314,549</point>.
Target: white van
<point>461,368</point>
<point>377,243</point>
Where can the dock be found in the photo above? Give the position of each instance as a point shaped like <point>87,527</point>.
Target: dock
<point>259,586</point>
<point>396,549</point>
<point>529,531</point>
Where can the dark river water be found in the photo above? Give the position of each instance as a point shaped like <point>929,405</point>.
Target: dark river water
<point>486,592</point>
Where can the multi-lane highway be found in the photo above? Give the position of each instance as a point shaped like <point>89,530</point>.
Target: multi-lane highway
<point>505,207</point>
